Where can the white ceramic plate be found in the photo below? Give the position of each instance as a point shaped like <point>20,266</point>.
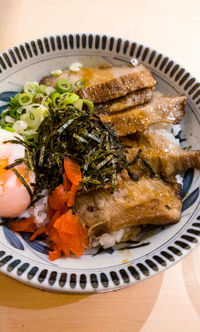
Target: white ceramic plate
<point>111,270</point>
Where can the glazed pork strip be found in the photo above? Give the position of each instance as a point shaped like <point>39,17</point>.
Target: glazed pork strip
<point>133,203</point>
<point>103,84</point>
<point>123,80</point>
<point>160,109</point>
<point>130,100</point>
<point>165,158</point>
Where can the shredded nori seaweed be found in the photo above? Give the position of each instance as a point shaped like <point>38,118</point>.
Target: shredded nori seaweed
<point>23,182</point>
<point>16,163</point>
<point>80,135</point>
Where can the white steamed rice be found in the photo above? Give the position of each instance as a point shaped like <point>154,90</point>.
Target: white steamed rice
<point>39,211</point>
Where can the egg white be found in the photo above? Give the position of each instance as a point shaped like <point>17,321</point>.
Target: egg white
<point>14,197</point>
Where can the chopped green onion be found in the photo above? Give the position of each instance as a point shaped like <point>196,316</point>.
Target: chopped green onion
<point>42,88</point>
<point>39,97</point>
<point>9,119</point>
<point>80,84</point>
<point>31,133</point>
<point>4,112</point>
<point>89,104</point>
<point>31,87</point>
<point>45,90</point>
<point>19,126</point>
<point>70,98</point>
<point>55,96</point>
<point>21,110</point>
<point>79,104</point>
<point>38,114</point>
<point>57,72</point>
<point>25,98</point>
<point>46,102</point>
<point>32,116</point>
<point>63,85</point>
<point>8,127</point>
<point>49,90</point>
<point>76,66</point>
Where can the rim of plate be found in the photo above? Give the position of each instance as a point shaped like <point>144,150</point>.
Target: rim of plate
<point>156,261</point>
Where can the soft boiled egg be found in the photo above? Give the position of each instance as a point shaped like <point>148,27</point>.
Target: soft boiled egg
<point>14,197</point>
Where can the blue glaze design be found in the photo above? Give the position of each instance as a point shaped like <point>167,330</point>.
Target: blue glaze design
<point>190,200</point>
<point>3,108</point>
<point>12,238</point>
<point>5,96</point>
<point>187,181</point>
<point>36,245</point>
<point>100,250</point>
<point>178,136</point>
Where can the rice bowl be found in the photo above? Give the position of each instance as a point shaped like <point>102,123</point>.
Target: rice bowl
<point>168,234</point>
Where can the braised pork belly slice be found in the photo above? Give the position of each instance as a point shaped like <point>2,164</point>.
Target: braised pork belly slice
<point>161,109</point>
<point>146,201</point>
<point>165,158</point>
<point>132,99</point>
<point>103,84</point>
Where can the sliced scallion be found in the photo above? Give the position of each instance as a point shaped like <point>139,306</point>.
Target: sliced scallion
<point>55,96</point>
<point>80,84</point>
<point>49,90</point>
<point>42,88</point>
<point>89,104</point>
<point>57,72</point>
<point>19,126</point>
<point>76,66</point>
<point>9,119</point>
<point>31,87</point>
<point>63,85</point>
<point>71,98</point>
<point>32,116</point>
<point>79,104</point>
<point>8,127</point>
<point>25,98</point>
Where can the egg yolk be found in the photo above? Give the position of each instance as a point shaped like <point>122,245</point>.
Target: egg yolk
<point>4,174</point>
<point>14,197</point>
